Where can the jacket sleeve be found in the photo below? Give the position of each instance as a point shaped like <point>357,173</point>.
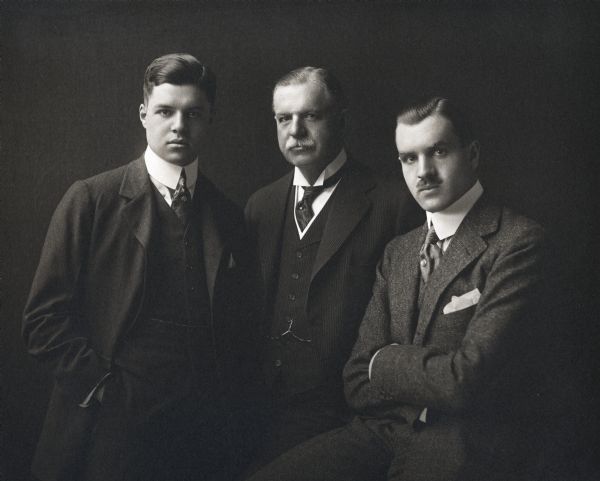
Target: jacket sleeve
<point>450,380</point>
<point>54,327</point>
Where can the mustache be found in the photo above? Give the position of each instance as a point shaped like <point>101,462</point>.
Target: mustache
<point>301,144</point>
<point>427,182</point>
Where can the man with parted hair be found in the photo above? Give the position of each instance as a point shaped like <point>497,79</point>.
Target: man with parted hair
<point>319,232</point>
<point>141,304</point>
<point>442,378</point>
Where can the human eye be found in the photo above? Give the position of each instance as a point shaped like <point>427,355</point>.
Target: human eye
<point>311,116</point>
<point>194,114</point>
<point>440,151</point>
<point>163,112</point>
<point>282,118</point>
<point>407,158</point>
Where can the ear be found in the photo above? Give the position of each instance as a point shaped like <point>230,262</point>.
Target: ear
<point>143,114</point>
<point>474,154</point>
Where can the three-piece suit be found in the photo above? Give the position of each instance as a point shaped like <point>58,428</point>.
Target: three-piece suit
<point>329,275</point>
<point>112,306</point>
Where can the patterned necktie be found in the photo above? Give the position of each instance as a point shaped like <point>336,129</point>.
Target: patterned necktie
<point>304,211</point>
<point>430,254</point>
<point>181,200</point>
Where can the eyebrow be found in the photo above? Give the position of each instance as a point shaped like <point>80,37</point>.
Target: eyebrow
<point>167,106</point>
<point>439,143</point>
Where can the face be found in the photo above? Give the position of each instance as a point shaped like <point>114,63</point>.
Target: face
<point>309,127</point>
<point>176,119</point>
<point>437,168</point>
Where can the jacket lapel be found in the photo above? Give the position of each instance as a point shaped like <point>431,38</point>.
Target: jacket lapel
<point>349,205</point>
<point>270,242</point>
<point>212,242</point>
<point>466,246</point>
<point>138,212</point>
<point>408,267</point>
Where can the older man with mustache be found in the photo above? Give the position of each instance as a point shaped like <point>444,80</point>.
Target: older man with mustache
<point>319,232</point>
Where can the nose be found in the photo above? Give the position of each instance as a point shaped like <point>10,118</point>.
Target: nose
<point>297,127</point>
<point>178,122</point>
<point>425,167</point>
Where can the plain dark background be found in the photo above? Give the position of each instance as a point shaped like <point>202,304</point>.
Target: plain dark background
<point>71,84</point>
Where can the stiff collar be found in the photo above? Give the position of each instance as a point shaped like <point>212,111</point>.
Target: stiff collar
<point>168,174</point>
<point>335,165</point>
<point>446,222</point>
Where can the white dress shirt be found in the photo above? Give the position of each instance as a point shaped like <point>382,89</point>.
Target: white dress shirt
<point>165,175</point>
<point>320,200</point>
<point>446,221</point>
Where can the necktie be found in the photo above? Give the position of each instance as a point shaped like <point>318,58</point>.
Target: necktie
<point>304,211</point>
<point>430,254</point>
<point>181,200</point>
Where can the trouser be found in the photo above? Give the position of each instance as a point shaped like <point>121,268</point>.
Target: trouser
<point>371,449</point>
<point>295,419</point>
<point>176,439</point>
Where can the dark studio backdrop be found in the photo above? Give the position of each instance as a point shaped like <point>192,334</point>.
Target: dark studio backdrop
<point>71,75</point>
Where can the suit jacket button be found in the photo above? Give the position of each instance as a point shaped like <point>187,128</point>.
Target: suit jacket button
<point>278,363</point>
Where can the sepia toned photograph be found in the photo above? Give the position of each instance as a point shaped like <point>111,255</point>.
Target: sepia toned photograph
<point>299,240</point>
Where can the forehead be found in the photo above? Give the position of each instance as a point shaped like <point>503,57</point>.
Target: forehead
<point>430,131</point>
<point>187,96</point>
<point>301,97</point>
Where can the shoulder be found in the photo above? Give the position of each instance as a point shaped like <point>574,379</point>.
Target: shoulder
<point>85,191</point>
<point>266,193</point>
<point>511,227</point>
<point>223,204</point>
<point>386,190</point>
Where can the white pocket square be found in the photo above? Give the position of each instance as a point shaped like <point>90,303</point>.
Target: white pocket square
<point>462,302</point>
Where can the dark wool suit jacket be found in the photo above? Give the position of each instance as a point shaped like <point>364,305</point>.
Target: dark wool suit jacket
<point>471,367</point>
<point>89,289</point>
<point>366,212</point>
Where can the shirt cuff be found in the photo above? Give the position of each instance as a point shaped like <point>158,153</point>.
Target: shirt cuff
<point>377,352</point>
<point>96,392</point>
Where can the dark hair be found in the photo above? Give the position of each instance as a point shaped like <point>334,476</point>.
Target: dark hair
<point>441,106</point>
<point>180,69</point>
<point>318,75</point>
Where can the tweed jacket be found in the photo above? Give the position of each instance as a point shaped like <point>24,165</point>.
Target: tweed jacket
<point>366,212</point>
<point>468,364</point>
<point>89,289</point>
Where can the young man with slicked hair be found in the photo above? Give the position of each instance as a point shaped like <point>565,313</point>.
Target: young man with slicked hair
<point>139,304</point>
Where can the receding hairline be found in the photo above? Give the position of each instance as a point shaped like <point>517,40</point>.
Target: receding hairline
<point>317,76</point>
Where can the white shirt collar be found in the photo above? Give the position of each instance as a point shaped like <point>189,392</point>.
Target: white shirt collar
<point>335,165</point>
<point>168,174</point>
<point>446,222</point>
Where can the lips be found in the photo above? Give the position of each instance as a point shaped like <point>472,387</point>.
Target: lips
<point>177,142</point>
<point>428,187</point>
<point>300,147</point>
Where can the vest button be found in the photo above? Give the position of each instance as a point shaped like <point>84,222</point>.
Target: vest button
<point>295,275</point>
<point>299,254</point>
<point>278,363</point>
<point>292,297</point>
<point>192,288</point>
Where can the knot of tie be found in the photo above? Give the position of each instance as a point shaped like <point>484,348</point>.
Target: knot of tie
<point>304,210</point>
<point>181,198</point>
